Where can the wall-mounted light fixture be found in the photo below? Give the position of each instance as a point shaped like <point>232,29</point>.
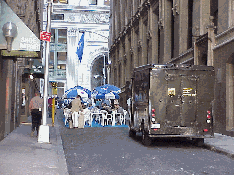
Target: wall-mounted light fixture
<point>9,31</point>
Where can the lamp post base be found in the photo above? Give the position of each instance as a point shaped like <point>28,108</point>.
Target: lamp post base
<point>43,135</point>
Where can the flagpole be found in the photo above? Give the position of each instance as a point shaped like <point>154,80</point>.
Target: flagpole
<point>104,70</point>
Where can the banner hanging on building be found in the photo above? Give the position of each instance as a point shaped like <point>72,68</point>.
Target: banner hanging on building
<point>80,48</point>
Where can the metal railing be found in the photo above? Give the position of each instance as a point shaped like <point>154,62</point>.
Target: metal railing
<point>59,73</point>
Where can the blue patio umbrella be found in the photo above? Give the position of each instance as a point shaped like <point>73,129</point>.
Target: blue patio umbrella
<point>112,95</point>
<point>72,92</point>
<point>100,96</point>
<point>107,88</point>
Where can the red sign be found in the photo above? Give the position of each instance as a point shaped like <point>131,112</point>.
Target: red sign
<point>45,36</point>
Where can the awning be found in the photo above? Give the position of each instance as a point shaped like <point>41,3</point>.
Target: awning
<point>25,40</point>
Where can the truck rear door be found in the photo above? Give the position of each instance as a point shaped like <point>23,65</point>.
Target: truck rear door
<point>173,104</point>
<point>181,99</point>
<point>188,99</point>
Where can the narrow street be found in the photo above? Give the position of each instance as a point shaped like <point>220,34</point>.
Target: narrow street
<point>112,151</point>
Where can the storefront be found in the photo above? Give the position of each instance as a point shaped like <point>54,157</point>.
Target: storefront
<point>18,45</point>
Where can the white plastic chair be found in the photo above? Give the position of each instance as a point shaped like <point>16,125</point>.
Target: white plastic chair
<point>67,114</point>
<point>87,117</point>
<point>126,116</point>
<point>104,116</point>
<point>109,118</point>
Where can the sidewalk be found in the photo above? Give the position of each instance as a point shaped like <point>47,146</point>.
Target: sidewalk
<point>221,144</point>
<point>22,154</point>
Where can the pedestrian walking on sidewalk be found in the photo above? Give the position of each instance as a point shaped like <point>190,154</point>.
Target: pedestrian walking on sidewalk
<point>35,107</point>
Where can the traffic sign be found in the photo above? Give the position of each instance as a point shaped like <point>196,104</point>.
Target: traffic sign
<point>46,36</point>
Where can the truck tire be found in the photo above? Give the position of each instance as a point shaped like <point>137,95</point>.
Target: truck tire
<point>146,140</point>
<point>198,141</point>
<point>132,133</point>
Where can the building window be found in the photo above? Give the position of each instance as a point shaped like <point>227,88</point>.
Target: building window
<point>61,1</point>
<point>214,13</point>
<point>106,2</point>
<point>92,2</point>
<point>57,16</point>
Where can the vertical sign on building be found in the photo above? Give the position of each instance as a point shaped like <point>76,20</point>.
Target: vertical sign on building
<point>41,86</point>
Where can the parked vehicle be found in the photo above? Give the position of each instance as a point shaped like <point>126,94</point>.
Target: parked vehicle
<point>172,101</point>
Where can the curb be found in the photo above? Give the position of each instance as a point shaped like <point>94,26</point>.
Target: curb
<point>218,150</point>
<point>60,151</point>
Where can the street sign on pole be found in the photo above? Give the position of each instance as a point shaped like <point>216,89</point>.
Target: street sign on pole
<point>43,136</point>
<point>46,36</point>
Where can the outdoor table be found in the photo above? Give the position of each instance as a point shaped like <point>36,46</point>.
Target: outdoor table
<point>97,113</point>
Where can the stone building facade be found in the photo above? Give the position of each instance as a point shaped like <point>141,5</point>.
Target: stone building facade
<point>199,32</point>
<point>90,17</point>
<point>16,88</point>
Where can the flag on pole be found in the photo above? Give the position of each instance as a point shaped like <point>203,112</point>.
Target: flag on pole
<point>80,48</point>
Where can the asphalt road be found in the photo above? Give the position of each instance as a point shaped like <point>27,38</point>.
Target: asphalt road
<point>110,151</point>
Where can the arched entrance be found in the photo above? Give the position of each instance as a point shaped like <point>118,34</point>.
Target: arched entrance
<point>98,76</point>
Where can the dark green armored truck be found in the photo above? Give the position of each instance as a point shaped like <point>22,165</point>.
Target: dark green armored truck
<point>172,101</point>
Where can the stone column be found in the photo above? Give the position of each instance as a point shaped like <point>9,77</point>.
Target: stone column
<point>154,34</point>
<point>134,48</point>
<point>8,69</point>
<point>2,99</point>
<point>204,15</point>
<point>211,42</point>
<point>229,97</point>
<point>72,60</point>
<point>166,17</point>
<point>183,25</point>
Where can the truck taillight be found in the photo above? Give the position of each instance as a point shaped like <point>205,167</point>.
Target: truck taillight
<point>208,115</point>
<point>153,113</point>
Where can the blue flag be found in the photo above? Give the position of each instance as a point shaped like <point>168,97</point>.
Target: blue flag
<point>80,48</point>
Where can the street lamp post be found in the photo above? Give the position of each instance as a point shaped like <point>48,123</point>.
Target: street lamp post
<point>43,136</point>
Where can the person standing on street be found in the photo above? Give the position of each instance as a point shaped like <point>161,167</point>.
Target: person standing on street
<point>35,107</point>
<point>50,101</point>
<point>77,107</point>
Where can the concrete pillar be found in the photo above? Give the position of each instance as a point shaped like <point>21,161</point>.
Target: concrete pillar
<point>211,43</point>
<point>183,29</point>
<point>72,61</point>
<point>55,52</point>
<point>204,15</point>
<point>134,48</point>
<point>9,70</point>
<point>154,34</point>
<point>196,54</point>
<point>2,99</point>
<point>144,27</point>
<point>229,96</point>
<point>167,6</point>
